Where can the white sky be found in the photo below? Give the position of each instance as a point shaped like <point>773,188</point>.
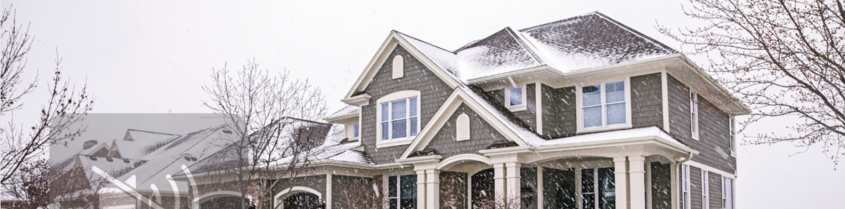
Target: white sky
<point>154,56</point>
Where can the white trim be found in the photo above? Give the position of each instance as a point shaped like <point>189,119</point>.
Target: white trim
<point>389,44</point>
<point>664,84</point>
<point>398,67</point>
<point>580,110</point>
<point>446,110</point>
<point>462,158</point>
<point>705,189</point>
<point>391,97</point>
<point>711,169</point>
<point>204,198</point>
<point>540,188</point>
<point>694,122</point>
<point>462,128</point>
<point>685,187</point>
<point>519,107</point>
<point>538,101</point>
<point>279,198</point>
<point>328,191</point>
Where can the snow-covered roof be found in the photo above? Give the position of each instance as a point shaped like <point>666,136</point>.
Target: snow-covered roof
<point>580,42</point>
<point>609,137</point>
<point>139,143</point>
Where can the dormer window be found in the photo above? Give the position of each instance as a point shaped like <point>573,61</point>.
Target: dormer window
<point>515,98</point>
<point>398,67</point>
<point>398,118</point>
<point>604,106</point>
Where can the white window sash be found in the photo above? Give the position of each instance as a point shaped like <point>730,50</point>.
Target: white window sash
<point>604,104</point>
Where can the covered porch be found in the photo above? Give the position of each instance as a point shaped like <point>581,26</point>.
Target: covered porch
<point>630,173</point>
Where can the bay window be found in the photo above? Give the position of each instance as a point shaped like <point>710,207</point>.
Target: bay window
<point>604,105</point>
<point>402,191</point>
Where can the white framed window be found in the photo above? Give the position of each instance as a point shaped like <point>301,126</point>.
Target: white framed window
<point>732,125</point>
<point>598,188</point>
<point>402,191</point>
<point>357,130</point>
<point>693,113</point>
<point>727,193</point>
<point>604,106</point>
<point>705,191</point>
<point>685,187</point>
<point>398,118</point>
<point>515,98</point>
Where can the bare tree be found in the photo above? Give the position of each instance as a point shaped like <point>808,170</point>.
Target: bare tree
<point>30,186</point>
<point>272,117</point>
<point>66,104</point>
<point>782,57</point>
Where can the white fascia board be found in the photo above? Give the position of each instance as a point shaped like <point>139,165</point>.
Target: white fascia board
<point>358,100</point>
<point>381,56</point>
<point>342,118</point>
<point>445,112</point>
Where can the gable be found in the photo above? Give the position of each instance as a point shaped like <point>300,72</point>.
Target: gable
<point>482,135</point>
<point>433,91</point>
<point>382,56</point>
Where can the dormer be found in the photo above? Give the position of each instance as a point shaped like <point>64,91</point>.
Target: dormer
<point>351,119</point>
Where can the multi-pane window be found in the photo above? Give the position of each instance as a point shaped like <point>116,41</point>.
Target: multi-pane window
<point>685,196</point>
<point>399,118</point>
<point>693,112</point>
<point>733,133</point>
<point>705,190</point>
<point>402,191</point>
<point>727,193</point>
<point>357,130</point>
<point>598,188</point>
<point>602,108</point>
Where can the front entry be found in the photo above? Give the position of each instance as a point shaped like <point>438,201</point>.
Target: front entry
<point>483,190</point>
<point>302,201</point>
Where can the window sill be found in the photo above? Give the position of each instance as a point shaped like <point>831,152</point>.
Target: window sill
<point>394,142</point>
<point>517,108</point>
<point>462,138</point>
<point>695,136</point>
<point>600,129</point>
<point>733,154</point>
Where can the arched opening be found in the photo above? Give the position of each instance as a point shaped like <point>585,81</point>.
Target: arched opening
<point>483,189</point>
<point>222,202</point>
<point>302,200</point>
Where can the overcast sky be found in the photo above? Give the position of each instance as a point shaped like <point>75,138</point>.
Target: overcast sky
<point>154,56</point>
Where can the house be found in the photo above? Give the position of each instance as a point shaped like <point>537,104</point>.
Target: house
<point>134,170</point>
<point>582,113</point>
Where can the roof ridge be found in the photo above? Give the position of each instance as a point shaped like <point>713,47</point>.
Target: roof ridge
<point>425,42</point>
<point>524,45</point>
<point>562,20</point>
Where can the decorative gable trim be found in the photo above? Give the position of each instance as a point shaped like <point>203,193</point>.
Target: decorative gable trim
<point>458,97</point>
<point>381,56</point>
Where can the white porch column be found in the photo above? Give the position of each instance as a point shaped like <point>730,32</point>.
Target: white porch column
<point>420,189</point>
<point>328,196</point>
<point>432,187</point>
<point>499,179</point>
<point>637,184</point>
<point>621,182</point>
<point>540,188</point>
<point>513,177</point>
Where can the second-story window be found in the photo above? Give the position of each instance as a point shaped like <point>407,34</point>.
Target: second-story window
<point>693,112</point>
<point>515,98</point>
<point>603,105</point>
<point>399,118</point>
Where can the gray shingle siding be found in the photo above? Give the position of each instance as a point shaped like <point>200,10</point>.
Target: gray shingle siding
<point>317,182</point>
<point>715,190</point>
<point>695,187</point>
<point>714,130</point>
<point>433,92</point>
<point>559,111</point>
<point>482,134</point>
<point>527,116</point>
<point>646,101</point>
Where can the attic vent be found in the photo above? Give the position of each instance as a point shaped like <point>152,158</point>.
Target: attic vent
<point>126,160</point>
<point>398,67</point>
<point>462,126</point>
